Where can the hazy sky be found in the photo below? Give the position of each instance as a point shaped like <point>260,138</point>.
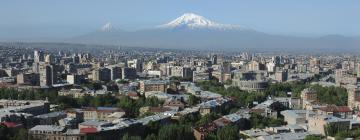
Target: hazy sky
<point>66,18</point>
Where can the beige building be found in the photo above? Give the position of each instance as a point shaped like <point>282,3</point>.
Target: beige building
<point>342,77</point>
<point>146,86</point>
<point>281,76</point>
<point>32,79</point>
<point>223,77</point>
<point>47,75</point>
<point>353,97</point>
<point>75,93</point>
<point>308,94</point>
<point>101,74</point>
<point>314,62</point>
<point>46,132</point>
<point>297,116</point>
<point>358,70</point>
<point>250,80</point>
<point>103,113</point>
<point>254,66</point>
<point>317,123</point>
<point>343,112</point>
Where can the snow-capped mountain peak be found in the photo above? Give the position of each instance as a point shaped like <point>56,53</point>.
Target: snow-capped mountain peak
<point>194,21</point>
<point>108,27</point>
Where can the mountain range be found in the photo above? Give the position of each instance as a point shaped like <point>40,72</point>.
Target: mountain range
<point>194,31</point>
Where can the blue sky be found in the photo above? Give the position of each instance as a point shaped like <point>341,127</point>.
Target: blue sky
<point>64,18</point>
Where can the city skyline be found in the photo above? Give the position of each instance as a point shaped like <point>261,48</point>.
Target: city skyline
<point>179,70</point>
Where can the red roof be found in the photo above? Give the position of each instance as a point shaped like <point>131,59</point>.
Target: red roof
<point>88,130</point>
<point>10,124</point>
<point>158,109</point>
<point>222,122</point>
<point>133,94</point>
<point>334,108</point>
<point>259,110</point>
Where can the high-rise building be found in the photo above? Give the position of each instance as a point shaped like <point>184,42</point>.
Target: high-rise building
<point>342,77</point>
<point>47,75</point>
<point>38,56</point>
<point>128,73</point>
<point>102,74</point>
<point>281,76</point>
<point>76,59</point>
<point>353,97</point>
<point>32,79</point>
<point>314,62</point>
<point>36,67</point>
<point>226,67</point>
<point>276,60</point>
<point>135,63</point>
<point>358,70</point>
<point>75,79</point>
<point>270,67</point>
<point>179,71</point>
<point>255,66</point>
<point>115,72</point>
<point>49,59</point>
<point>348,65</point>
<point>214,59</point>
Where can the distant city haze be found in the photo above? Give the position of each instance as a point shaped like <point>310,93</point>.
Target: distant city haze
<point>44,20</point>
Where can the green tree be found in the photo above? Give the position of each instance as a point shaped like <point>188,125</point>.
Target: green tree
<point>190,119</point>
<point>331,95</point>
<point>128,137</point>
<point>3,132</point>
<point>193,100</point>
<point>258,121</point>
<point>151,137</point>
<point>210,136</point>
<point>152,128</point>
<point>207,118</point>
<point>175,132</point>
<point>21,134</point>
<point>333,128</point>
<point>228,132</point>
<point>313,137</point>
<point>153,101</point>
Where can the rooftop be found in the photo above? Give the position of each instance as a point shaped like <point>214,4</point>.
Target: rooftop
<point>285,136</point>
<point>95,123</point>
<point>154,118</point>
<point>51,115</point>
<point>334,108</point>
<point>47,128</point>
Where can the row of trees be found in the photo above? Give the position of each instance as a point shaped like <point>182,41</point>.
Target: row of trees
<point>131,106</point>
<point>281,89</point>
<point>328,95</point>
<point>229,132</point>
<point>157,131</point>
<point>182,130</point>
<point>341,135</point>
<point>11,93</point>
<point>331,95</point>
